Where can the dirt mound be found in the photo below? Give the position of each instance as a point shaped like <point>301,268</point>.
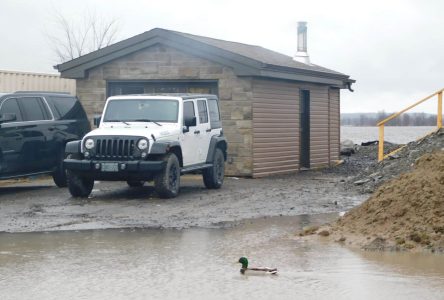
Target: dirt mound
<point>404,213</point>
<point>374,174</point>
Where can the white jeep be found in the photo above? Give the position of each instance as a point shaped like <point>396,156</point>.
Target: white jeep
<point>143,138</point>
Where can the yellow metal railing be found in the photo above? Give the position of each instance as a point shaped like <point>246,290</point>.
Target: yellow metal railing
<point>381,124</point>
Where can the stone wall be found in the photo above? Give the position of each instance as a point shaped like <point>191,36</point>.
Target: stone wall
<point>165,63</point>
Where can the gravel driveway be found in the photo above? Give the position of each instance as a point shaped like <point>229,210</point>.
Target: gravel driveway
<point>38,205</point>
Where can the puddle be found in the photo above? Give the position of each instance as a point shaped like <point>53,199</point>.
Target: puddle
<point>200,264</point>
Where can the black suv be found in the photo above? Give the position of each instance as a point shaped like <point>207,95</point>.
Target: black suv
<point>34,128</point>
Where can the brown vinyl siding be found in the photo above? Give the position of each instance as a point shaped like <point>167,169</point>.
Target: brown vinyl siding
<point>319,127</point>
<point>334,124</point>
<point>275,127</point>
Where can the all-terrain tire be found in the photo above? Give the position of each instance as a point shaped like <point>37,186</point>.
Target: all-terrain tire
<point>213,177</point>
<point>135,183</point>
<point>59,174</point>
<point>167,182</point>
<point>78,186</point>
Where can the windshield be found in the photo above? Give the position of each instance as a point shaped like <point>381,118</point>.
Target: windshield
<point>142,110</point>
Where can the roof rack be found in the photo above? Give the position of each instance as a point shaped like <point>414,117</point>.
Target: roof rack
<point>40,92</point>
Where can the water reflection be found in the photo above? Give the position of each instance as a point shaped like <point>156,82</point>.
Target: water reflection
<point>200,264</point>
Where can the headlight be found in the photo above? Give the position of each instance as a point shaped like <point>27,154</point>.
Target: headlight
<point>142,144</point>
<point>89,144</point>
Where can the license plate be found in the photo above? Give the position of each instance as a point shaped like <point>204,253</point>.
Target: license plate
<point>110,167</point>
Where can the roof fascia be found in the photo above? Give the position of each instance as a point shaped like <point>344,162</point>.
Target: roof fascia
<point>302,77</point>
<point>107,50</point>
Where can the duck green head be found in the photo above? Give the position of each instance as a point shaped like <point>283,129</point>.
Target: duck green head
<point>244,262</point>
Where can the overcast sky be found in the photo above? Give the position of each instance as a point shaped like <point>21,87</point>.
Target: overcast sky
<point>394,49</point>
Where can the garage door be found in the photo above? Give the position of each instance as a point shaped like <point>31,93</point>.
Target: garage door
<point>160,87</point>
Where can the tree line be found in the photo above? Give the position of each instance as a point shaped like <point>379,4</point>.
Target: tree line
<point>371,119</point>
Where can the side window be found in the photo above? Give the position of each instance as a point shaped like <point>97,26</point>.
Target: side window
<point>33,109</point>
<point>188,110</point>
<point>68,108</point>
<point>214,110</point>
<point>10,106</point>
<point>203,112</point>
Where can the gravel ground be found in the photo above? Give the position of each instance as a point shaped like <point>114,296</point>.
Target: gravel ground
<point>38,205</point>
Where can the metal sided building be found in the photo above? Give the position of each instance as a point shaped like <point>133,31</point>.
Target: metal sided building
<point>280,114</point>
<point>13,81</point>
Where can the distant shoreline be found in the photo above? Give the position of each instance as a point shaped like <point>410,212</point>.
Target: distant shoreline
<point>393,134</point>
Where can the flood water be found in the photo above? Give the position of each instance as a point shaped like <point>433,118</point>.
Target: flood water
<point>200,264</point>
<point>393,134</point>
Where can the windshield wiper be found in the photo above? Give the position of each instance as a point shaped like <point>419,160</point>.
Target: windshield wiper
<point>118,121</point>
<point>145,120</point>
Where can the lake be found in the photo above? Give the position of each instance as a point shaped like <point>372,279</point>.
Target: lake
<point>393,134</point>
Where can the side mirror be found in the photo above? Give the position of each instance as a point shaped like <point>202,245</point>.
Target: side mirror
<point>190,121</point>
<point>97,120</point>
<point>8,117</point>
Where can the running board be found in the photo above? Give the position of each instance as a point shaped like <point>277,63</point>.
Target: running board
<point>195,168</point>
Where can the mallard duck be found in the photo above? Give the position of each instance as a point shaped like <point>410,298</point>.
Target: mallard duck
<point>245,268</point>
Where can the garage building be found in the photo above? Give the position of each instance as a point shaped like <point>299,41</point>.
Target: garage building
<point>280,114</point>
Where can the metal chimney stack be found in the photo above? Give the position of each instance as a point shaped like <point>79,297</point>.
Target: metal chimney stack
<point>302,55</point>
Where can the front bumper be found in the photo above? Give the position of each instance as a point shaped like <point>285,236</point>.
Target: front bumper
<point>124,169</point>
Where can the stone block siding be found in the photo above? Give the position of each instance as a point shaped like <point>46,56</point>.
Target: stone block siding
<point>165,63</point>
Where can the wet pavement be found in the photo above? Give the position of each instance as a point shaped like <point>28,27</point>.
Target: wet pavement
<point>200,263</point>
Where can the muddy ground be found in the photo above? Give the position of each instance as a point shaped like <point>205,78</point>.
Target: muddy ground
<point>38,205</point>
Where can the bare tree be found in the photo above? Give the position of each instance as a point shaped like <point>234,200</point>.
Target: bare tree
<point>72,39</point>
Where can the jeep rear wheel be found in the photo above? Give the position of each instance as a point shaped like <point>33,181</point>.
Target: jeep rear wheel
<point>167,182</point>
<point>79,186</point>
<point>213,177</point>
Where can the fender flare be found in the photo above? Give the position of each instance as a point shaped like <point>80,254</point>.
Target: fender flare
<point>217,142</point>
<point>73,147</point>
<point>163,147</point>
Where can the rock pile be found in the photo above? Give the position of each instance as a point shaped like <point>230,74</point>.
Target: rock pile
<point>373,174</point>
<point>357,158</point>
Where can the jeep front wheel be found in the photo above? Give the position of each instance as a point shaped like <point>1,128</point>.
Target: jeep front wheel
<point>79,186</point>
<point>59,174</point>
<point>167,182</point>
<point>213,177</point>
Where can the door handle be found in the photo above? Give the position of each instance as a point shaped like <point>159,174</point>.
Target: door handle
<point>51,128</point>
<point>208,130</point>
<point>196,131</point>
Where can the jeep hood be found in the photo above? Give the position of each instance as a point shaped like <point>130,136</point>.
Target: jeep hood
<point>136,130</point>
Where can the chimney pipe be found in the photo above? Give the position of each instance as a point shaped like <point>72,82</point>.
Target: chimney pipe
<point>302,55</point>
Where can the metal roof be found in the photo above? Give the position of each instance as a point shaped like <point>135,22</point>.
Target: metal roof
<point>246,60</point>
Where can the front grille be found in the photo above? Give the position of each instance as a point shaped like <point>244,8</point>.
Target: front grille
<point>122,148</point>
